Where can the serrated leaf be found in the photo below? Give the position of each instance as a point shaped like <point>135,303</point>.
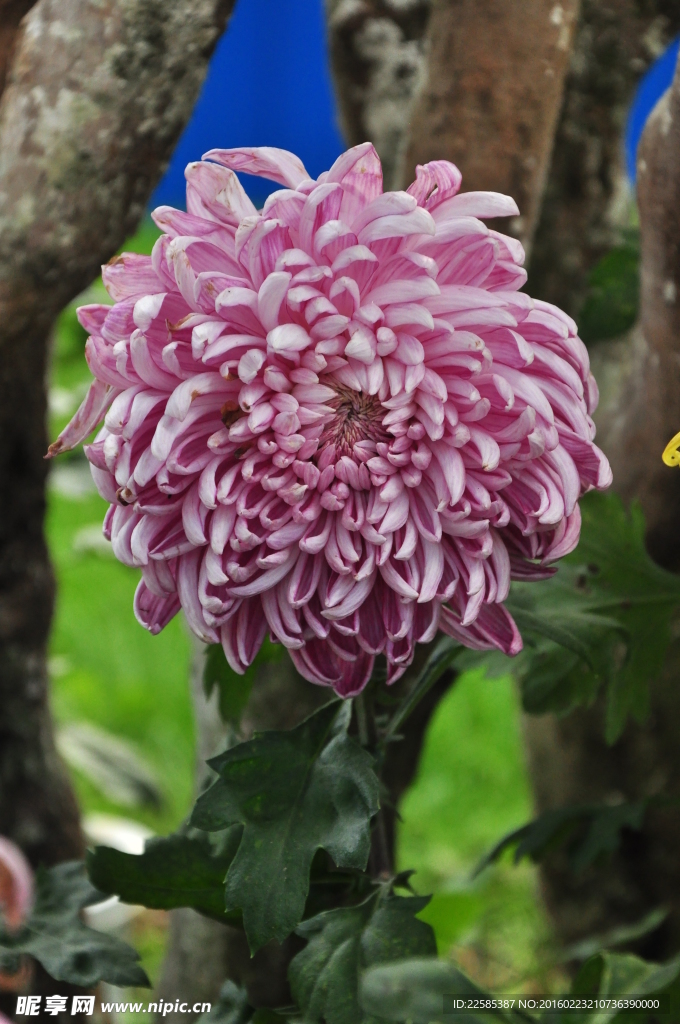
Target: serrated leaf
<point>619,936</point>
<point>615,974</point>
<point>590,831</point>
<point>612,301</point>
<point>294,792</point>
<point>234,689</point>
<point>414,990</point>
<point>342,943</point>
<point>571,628</point>
<point>231,1007</point>
<point>186,869</point>
<point>57,937</point>
<point>609,606</point>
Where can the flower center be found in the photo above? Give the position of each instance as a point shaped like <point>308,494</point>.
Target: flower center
<point>358,417</point>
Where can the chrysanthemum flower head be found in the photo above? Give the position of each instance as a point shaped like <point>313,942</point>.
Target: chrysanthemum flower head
<point>337,420</point>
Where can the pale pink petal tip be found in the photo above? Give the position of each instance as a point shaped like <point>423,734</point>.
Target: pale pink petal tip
<point>16,885</point>
<point>264,161</point>
<point>90,413</point>
<point>337,421</point>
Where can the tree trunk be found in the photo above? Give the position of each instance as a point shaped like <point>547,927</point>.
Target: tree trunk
<point>96,97</point>
<point>492,97</point>
<point>640,376</point>
<point>378,61</point>
<point>489,121</point>
<point>11,13</point>
<point>587,198</point>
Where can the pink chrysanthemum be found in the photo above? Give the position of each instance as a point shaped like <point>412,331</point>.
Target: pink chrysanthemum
<point>338,419</point>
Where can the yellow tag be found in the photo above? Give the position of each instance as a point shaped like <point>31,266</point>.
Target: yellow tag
<point>671,455</point>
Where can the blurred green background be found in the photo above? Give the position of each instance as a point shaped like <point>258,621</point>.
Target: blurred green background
<point>114,683</point>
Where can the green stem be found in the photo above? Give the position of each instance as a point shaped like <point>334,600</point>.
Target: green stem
<point>441,660</point>
<point>362,719</point>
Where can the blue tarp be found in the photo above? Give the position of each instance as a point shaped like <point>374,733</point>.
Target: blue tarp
<point>268,85</point>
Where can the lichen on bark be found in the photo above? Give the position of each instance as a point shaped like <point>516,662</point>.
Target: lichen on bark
<point>96,96</point>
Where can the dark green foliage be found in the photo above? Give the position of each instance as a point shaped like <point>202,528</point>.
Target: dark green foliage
<point>613,297</point>
<point>622,935</point>
<point>442,657</point>
<point>590,832</point>
<point>186,869</point>
<point>231,1007</point>
<point>342,943</point>
<point>57,937</point>
<point>414,990</point>
<point>616,974</point>
<point>603,619</point>
<point>295,793</point>
<point>233,689</point>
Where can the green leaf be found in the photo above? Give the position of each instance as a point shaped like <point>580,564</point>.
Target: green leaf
<point>57,937</point>
<point>186,869</point>
<point>609,606</point>
<point>414,990</point>
<point>619,936</point>
<point>294,792</point>
<point>590,830</point>
<point>611,305</point>
<point>615,974</point>
<point>341,943</point>
<point>571,628</point>
<point>233,689</point>
<point>231,1007</point>
<point>442,657</point>
<point>603,835</point>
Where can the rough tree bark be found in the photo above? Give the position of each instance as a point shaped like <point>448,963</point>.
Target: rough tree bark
<point>11,13</point>
<point>492,97</point>
<point>587,196</point>
<point>97,94</point>
<point>378,60</point>
<point>579,220</point>
<point>640,411</point>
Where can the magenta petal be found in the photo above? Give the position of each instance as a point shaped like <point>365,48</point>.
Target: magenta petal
<point>154,612</point>
<point>90,413</point>
<point>435,182</point>
<point>19,894</point>
<point>354,675</point>
<point>338,419</point>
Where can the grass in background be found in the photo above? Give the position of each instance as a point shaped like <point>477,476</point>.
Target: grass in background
<point>109,671</point>
<point>471,787</point>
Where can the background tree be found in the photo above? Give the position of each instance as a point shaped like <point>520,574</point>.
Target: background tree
<point>94,101</point>
<point>531,103</point>
<point>109,93</point>
<point>544,123</point>
<point>640,409</point>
